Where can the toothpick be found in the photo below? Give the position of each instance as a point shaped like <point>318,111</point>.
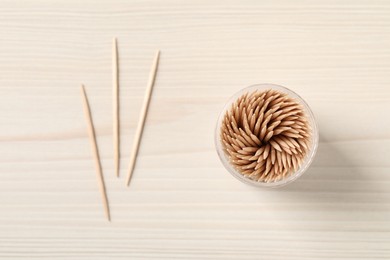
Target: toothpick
<point>95,151</point>
<point>141,122</point>
<point>115,85</point>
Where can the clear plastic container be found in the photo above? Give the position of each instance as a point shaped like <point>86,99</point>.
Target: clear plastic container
<point>311,152</point>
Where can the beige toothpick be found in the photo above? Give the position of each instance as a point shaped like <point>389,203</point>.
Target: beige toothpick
<point>95,151</point>
<point>141,122</point>
<point>115,85</point>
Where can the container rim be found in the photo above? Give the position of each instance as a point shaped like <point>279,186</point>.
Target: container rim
<point>309,157</point>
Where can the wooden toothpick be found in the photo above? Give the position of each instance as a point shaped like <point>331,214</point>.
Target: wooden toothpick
<point>95,151</point>
<point>115,85</point>
<point>141,122</point>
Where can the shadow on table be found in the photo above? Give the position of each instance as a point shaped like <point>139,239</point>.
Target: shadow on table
<point>334,177</point>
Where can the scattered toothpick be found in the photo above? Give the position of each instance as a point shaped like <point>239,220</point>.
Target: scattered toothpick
<point>115,85</point>
<point>95,151</point>
<point>141,122</point>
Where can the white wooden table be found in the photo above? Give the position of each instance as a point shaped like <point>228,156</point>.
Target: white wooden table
<point>182,203</point>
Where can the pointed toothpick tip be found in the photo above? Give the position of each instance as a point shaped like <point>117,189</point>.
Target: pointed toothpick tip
<point>95,151</point>
<point>115,84</point>
<point>143,114</point>
<point>82,89</point>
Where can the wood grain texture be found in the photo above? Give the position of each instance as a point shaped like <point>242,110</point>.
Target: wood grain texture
<point>182,204</point>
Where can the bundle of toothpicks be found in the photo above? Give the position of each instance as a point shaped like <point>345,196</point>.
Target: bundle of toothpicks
<point>116,124</point>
